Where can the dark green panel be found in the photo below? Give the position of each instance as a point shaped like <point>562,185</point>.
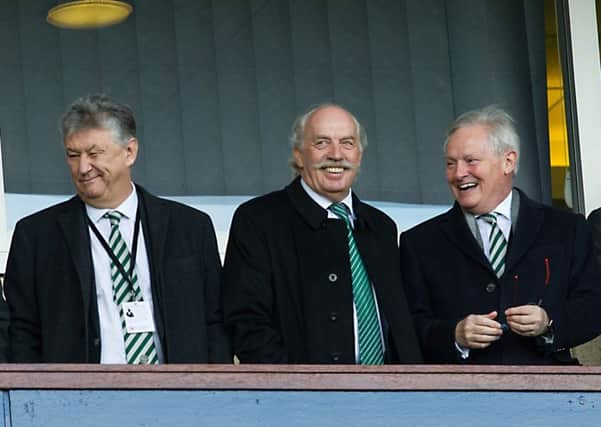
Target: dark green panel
<point>160,98</point>
<point>237,83</point>
<point>199,96</point>
<point>275,87</point>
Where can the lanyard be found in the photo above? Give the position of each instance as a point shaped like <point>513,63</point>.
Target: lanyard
<point>134,250</point>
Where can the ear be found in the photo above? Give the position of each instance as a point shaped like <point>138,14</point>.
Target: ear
<point>298,157</point>
<point>131,151</point>
<point>510,159</point>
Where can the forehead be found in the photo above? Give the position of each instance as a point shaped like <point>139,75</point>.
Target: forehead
<point>89,137</point>
<point>331,121</point>
<point>469,139</point>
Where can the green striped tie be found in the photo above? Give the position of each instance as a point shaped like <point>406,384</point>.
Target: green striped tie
<point>370,341</point>
<point>498,245</point>
<point>139,347</point>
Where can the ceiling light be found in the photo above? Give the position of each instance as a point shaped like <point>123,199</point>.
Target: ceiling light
<point>88,14</point>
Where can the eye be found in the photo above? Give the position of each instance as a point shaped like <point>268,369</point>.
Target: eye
<point>471,161</point>
<point>320,143</point>
<point>72,155</point>
<point>348,143</point>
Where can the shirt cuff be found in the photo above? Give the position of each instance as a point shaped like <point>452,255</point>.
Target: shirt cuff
<point>464,353</point>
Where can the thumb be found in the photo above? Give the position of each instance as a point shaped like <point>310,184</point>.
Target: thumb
<point>491,315</point>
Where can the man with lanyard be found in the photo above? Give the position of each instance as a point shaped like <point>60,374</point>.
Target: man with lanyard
<point>113,275</point>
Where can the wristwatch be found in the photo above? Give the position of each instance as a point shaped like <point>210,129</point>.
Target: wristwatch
<point>548,337</point>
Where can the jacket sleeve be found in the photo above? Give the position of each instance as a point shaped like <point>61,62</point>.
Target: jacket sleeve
<point>436,336</point>
<point>219,342</point>
<point>249,295</point>
<point>580,318</point>
<point>19,287</point>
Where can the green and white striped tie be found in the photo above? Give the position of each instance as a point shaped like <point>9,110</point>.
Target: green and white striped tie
<point>139,347</point>
<point>497,245</point>
<point>368,325</point>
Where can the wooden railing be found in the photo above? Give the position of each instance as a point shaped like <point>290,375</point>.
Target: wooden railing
<point>301,377</point>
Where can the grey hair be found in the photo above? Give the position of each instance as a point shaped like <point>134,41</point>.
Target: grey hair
<point>502,134</point>
<point>298,131</point>
<point>99,112</point>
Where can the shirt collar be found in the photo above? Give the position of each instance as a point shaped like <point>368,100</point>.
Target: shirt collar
<point>504,208</point>
<point>128,207</point>
<point>324,202</point>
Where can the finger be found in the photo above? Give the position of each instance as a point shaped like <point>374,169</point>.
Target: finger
<point>522,310</point>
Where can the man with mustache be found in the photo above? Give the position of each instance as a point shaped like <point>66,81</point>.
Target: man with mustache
<point>311,273</point>
<point>499,278</point>
<point>114,274</point>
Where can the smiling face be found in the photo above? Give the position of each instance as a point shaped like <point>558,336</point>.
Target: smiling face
<point>100,167</point>
<point>331,154</point>
<point>479,178</point>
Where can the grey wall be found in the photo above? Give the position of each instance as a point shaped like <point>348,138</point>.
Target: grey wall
<point>216,85</point>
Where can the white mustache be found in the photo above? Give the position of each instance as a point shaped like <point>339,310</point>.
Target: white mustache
<point>336,164</point>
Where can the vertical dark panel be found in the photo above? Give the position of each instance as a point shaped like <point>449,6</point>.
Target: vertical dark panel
<point>311,53</point>
<point>13,120</point>
<point>43,89</point>
<point>512,85</point>
<point>161,113</point>
<point>120,77</point>
<point>393,101</point>
<point>275,88</point>
<point>433,97</point>
<point>199,96</point>
<point>238,94</point>
<point>469,53</point>
<point>80,63</point>
<point>534,15</point>
<point>351,70</point>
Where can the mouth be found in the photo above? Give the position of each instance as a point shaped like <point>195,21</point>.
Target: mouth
<point>86,180</point>
<point>334,170</point>
<point>468,186</point>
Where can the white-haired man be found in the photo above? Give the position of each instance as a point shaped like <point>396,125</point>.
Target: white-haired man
<point>499,278</point>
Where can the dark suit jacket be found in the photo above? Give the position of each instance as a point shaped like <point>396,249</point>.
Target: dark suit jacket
<point>52,297</point>
<point>594,220</point>
<point>549,260</point>
<point>287,281</point>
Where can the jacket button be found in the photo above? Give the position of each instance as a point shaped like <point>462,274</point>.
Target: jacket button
<point>335,357</point>
<point>333,316</point>
<point>96,342</point>
<point>491,287</point>
<point>332,277</point>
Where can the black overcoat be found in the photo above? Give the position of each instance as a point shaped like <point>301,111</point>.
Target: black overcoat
<point>51,293</point>
<point>549,261</point>
<point>287,281</point>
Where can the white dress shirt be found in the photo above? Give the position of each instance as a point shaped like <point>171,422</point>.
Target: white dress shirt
<point>503,214</point>
<point>348,202</point>
<point>112,348</point>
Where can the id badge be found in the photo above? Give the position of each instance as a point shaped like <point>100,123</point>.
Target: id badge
<point>138,317</point>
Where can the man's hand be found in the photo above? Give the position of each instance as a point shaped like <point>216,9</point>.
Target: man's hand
<point>478,330</point>
<point>527,320</point>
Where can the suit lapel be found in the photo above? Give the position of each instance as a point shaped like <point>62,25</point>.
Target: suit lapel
<point>457,231</point>
<point>75,230</point>
<point>529,222</point>
<point>155,220</point>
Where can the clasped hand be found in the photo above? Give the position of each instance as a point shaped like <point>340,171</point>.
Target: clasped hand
<point>481,330</point>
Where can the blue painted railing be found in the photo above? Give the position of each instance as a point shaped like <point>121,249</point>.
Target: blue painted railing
<point>193,395</point>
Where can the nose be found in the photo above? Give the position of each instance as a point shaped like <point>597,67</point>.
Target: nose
<point>460,169</point>
<point>335,151</point>
<point>84,164</point>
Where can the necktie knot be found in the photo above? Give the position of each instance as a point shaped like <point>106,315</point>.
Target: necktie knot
<point>340,210</point>
<point>114,217</point>
<point>491,218</point>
